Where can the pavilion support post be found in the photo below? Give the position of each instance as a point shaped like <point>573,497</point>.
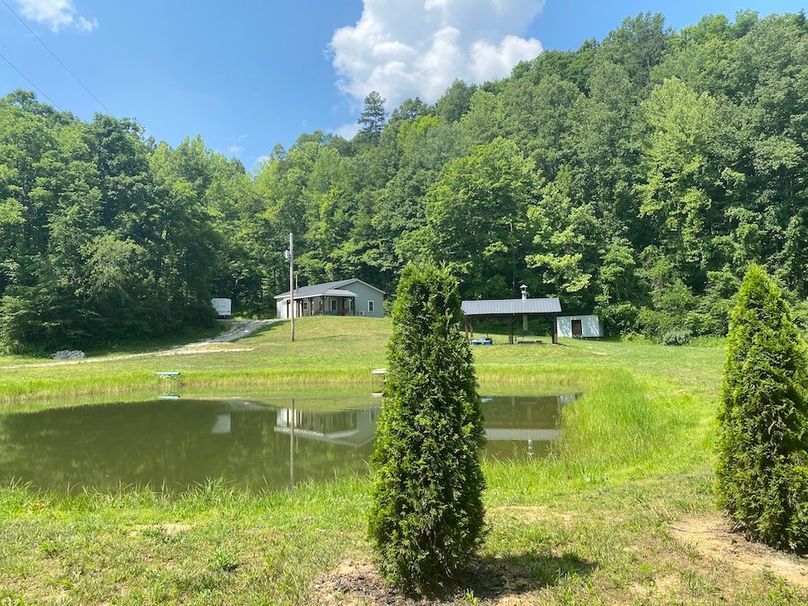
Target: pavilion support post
<point>510,330</point>
<point>554,329</point>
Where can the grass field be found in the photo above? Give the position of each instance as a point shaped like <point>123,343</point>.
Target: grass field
<point>589,525</point>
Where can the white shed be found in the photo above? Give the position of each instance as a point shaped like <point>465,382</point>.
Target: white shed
<point>223,307</point>
<point>579,327</point>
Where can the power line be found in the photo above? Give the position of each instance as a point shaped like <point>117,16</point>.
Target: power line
<point>58,60</point>
<point>28,80</point>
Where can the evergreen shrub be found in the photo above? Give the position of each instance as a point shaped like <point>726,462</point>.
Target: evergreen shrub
<point>427,516</point>
<point>762,473</point>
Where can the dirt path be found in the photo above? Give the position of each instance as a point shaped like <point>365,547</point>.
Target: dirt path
<point>218,344</point>
<point>239,330</point>
<point>711,537</point>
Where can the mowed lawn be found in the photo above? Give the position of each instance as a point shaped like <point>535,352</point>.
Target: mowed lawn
<point>592,524</point>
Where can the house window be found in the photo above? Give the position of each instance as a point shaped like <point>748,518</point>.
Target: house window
<point>371,305</point>
<point>333,305</point>
<point>305,306</point>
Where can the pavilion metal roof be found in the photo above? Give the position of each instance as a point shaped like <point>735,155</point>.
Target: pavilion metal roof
<point>511,307</point>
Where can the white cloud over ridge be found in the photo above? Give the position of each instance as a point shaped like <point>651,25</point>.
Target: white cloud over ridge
<point>408,48</point>
<point>56,14</point>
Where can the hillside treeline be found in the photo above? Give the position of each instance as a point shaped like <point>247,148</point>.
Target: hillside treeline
<point>636,177</point>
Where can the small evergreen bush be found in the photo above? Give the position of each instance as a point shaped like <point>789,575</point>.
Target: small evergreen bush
<point>762,474</point>
<point>426,520</point>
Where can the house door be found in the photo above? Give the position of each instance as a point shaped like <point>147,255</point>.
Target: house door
<point>577,329</point>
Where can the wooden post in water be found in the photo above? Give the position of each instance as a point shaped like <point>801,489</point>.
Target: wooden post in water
<point>292,447</point>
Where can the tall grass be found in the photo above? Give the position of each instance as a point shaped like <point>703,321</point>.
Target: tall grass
<point>612,433</point>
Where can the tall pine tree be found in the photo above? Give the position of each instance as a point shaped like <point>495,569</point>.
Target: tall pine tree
<point>373,118</point>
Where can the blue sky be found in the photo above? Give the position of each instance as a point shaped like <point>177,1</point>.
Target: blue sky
<point>249,74</point>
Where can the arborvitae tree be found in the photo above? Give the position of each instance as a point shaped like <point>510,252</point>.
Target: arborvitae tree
<point>762,475</point>
<point>426,520</point>
<point>373,118</point>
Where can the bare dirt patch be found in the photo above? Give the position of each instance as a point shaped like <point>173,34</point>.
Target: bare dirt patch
<point>712,538</point>
<point>661,586</point>
<point>169,529</point>
<point>509,581</point>
<point>530,513</point>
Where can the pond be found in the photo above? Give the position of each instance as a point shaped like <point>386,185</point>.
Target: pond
<point>274,443</point>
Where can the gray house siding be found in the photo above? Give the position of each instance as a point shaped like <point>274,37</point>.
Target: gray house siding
<point>365,294</point>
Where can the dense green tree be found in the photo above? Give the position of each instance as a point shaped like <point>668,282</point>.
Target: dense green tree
<point>427,516</point>
<point>762,473</point>
<point>477,217</point>
<point>566,245</point>
<point>455,102</point>
<point>372,119</point>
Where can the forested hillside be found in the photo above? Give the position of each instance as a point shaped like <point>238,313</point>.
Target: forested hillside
<point>637,176</point>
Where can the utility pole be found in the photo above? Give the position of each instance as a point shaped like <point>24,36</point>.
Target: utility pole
<point>290,254</point>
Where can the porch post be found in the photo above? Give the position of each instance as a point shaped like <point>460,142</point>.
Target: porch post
<point>555,329</point>
<point>510,330</point>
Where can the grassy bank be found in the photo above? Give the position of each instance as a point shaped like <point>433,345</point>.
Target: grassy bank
<point>590,524</point>
<point>330,352</point>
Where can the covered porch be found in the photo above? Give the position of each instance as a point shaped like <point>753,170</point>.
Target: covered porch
<point>334,302</point>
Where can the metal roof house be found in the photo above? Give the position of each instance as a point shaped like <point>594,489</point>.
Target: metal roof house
<point>512,309</point>
<point>351,297</point>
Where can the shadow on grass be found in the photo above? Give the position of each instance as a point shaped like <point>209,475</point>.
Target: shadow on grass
<point>486,579</point>
<point>490,578</point>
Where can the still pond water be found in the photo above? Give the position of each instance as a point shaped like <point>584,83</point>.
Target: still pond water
<point>177,444</point>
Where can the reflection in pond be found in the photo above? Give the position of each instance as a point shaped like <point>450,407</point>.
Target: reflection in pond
<point>177,444</point>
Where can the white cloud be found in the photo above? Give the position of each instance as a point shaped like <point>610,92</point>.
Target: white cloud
<point>407,48</point>
<point>347,131</point>
<point>236,147</point>
<point>56,14</point>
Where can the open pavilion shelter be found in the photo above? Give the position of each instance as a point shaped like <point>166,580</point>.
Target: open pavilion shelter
<point>511,309</point>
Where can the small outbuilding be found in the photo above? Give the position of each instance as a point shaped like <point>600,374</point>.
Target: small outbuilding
<point>223,307</point>
<point>579,327</point>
